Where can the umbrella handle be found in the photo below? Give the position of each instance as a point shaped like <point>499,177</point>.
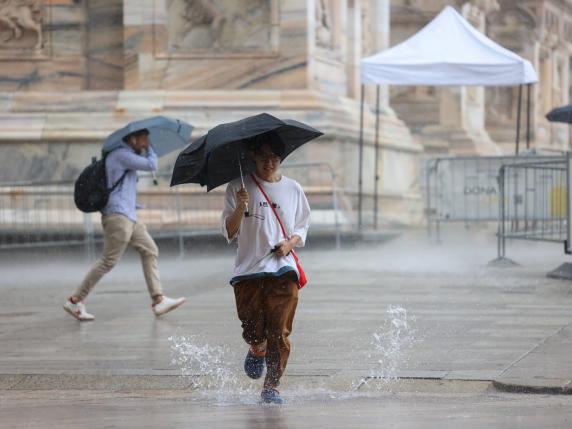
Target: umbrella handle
<point>155,181</point>
<point>246,213</point>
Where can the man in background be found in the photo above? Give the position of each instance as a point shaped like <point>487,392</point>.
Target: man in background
<point>121,227</point>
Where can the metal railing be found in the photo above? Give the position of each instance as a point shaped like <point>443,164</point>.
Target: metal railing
<point>533,203</point>
<point>465,189</point>
<point>44,214</point>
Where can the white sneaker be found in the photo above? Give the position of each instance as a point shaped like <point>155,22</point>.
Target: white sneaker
<point>167,304</point>
<point>78,311</point>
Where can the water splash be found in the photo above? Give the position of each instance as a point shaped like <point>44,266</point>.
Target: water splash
<point>390,347</point>
<point>216,370</point>
<point>212,369</point>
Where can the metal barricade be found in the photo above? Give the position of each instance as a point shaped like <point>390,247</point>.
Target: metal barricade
<point>465,189</point>
<point>44,214</point>
<point>533,203</point>
<point>40,214</point>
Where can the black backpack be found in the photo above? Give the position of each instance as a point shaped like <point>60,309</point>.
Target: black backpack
<point>90,189</point>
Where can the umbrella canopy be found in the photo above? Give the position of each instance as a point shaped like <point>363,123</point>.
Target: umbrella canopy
<point>165,134</point>
<point>561,114</point>
<point>219,156</point>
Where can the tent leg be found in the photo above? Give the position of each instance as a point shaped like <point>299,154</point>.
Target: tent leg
<point>376,178</point>
<point>360,168</point>
<point>518,109</point>
<point>528,90</point>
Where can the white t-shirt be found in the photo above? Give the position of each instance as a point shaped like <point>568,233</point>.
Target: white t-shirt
<point>260,231</point>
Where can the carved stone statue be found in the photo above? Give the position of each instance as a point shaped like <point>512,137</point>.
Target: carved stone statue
<point>219,25</point>
<point>17,16</point>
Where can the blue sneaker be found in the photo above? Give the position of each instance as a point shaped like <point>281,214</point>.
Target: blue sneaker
<point>254,365</point>
<point>271,396</point>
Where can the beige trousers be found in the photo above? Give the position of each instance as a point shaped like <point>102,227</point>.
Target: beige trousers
<point>119,232</point>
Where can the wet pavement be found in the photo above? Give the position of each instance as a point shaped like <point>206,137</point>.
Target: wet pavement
<point>168,409</point>
<point>455,332</point>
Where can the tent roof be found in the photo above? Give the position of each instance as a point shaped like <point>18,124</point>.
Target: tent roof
<point>447,51</point>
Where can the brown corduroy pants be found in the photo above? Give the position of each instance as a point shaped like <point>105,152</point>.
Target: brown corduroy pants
<point>266,308</point>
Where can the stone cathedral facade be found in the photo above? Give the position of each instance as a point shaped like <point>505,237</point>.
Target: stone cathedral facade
<point>72,71</point>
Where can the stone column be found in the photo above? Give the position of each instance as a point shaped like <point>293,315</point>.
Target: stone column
<point>354,48</point>
<point>380,16</point>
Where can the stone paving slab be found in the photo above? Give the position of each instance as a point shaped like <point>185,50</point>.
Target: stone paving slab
<point>547,368</point>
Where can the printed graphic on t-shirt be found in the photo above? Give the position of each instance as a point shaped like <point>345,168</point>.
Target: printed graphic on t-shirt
<point>265,204</point>
<point>262,205</point>
<point>258,216</point>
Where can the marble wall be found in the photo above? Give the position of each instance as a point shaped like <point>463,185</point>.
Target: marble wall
<point>541,31</point>
<point>103,63</point>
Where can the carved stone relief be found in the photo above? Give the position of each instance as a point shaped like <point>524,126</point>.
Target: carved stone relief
<point>219,26</point>
<point>21,24</point>
<point>324,25</point>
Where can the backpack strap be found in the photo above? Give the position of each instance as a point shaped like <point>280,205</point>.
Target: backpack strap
<point>118,182</point>
<point>110,190</point>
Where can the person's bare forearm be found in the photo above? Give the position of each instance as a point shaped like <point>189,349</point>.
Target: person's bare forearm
<point>294,240</point>
<point>286,246</point>
<point>233,222</point>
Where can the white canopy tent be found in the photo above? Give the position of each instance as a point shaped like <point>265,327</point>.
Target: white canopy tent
<point>446,52</point>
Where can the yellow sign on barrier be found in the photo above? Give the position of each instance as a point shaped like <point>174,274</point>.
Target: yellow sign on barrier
<point>558,199</point>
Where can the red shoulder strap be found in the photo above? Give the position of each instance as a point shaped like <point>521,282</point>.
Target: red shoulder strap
<point>270,204</point>
<point>275,214</point>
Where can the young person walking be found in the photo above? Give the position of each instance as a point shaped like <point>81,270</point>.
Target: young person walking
<point>269,216</point>
<point>121,227</point>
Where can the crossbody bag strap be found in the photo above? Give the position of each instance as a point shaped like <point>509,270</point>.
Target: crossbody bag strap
<point>275,214</point>
<point>271,206</point>
<point>299,267</point>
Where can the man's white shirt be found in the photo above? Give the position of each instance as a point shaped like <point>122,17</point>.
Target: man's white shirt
<point>260,231</point>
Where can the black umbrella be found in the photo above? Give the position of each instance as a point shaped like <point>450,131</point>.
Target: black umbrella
<point>225,152</point>
<point>561,114</point>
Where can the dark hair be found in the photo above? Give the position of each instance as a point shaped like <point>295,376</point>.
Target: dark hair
<point>276,146</point>
<point>143,132</point>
